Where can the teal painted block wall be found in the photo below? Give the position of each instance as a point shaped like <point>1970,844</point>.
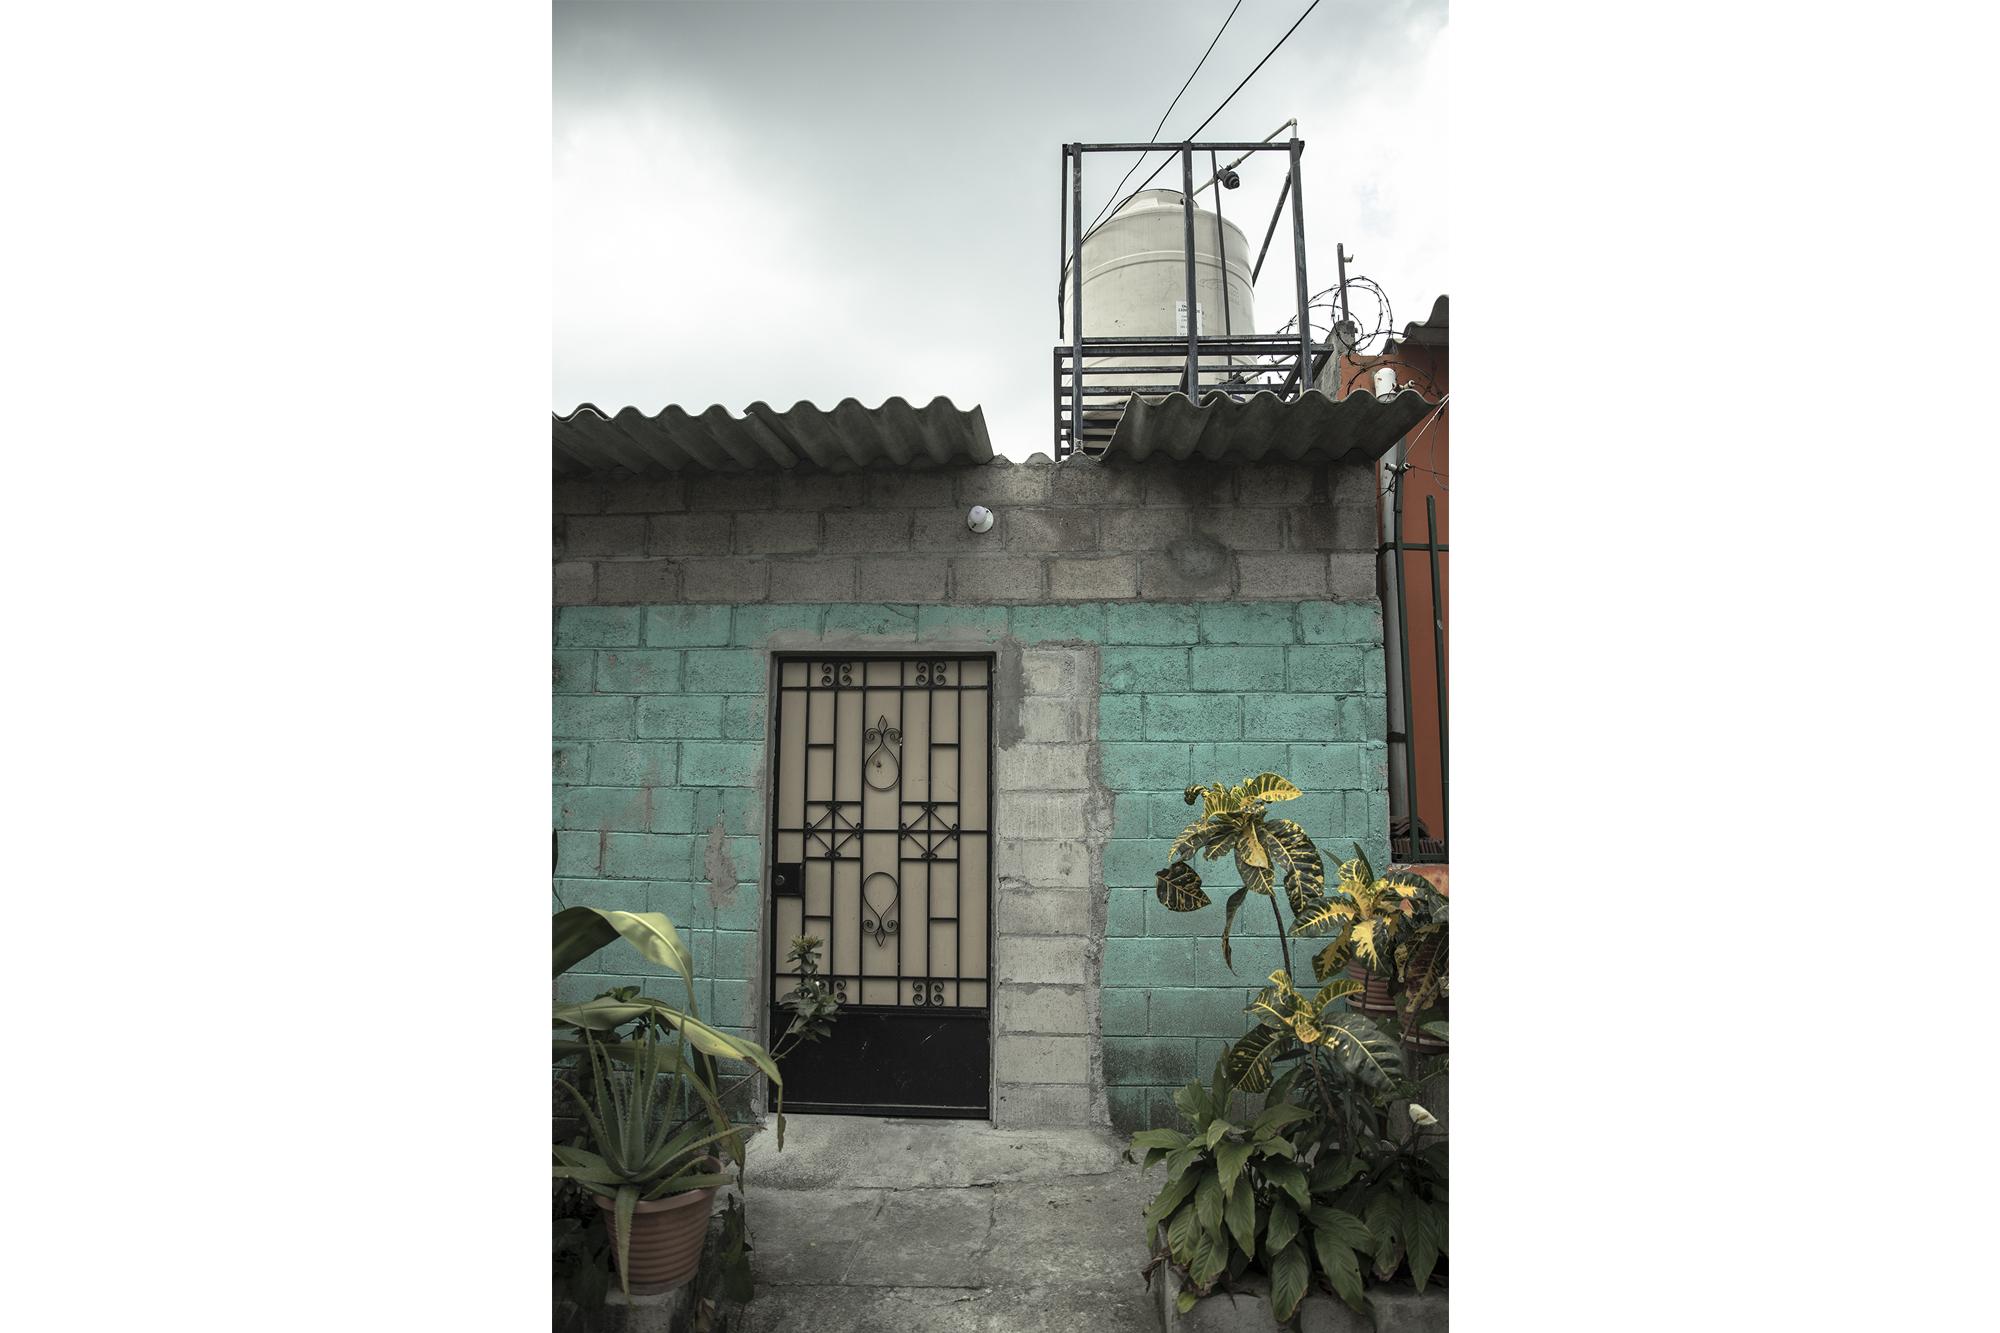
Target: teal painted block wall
<point>659,752</point>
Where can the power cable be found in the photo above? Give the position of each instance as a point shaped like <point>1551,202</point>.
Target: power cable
<point>1154,137</point>
<point>1189,137</point>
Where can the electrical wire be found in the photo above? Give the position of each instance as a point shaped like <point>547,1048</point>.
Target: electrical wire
<point>1154,137</point>
<point>1189,137</point>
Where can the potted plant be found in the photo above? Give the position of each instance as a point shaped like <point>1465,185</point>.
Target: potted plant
<point>650,1171</point>
<point>657,1134</point>
<point>1331,1184</point>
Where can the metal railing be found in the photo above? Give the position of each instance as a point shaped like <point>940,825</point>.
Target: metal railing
<point>1238,364</point>
<point>1416,836</point>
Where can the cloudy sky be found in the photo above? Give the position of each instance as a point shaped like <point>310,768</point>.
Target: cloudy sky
<point>774,202</point>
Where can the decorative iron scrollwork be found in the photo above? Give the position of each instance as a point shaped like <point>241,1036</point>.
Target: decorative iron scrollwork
<point>833,830</point>
<point>881,922</point>
<point>929,831</point>
<point>828,670</point>
<point>930,673</point>
<point>840,989</point>
<point>883,736</point>
<point>919,997</point>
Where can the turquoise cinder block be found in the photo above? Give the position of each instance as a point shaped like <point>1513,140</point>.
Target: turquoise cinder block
<point>1043,624</point>
<point>1152,1061</point>
<point>1248,622</point>
<point>626,764</point>
<point>686,626</point>
<point>863,618</point>
<point>724,670</point>
<point>743,716</point>
<point>984,622</point>
<point>1231,763</point>
<point>1364,717</point>
<point>673,809</point>
<point>1292,717</point>
<point>732,954</point>
<point>1127,1106</point>
<point>1193,717</point>
<point>682,716</point>
<point>738,808</point>
<point>1327,766</point>
<point>645,856</point>
<point>1340,622</point>
<point>1144,766</point>
<point>1237,667</point>
<point>570,764</point>
<point>1125,916</point>
<point>639,670</point>
<point>1327,668</point>
<point>1142,670</point>
<point>1132,863</point>
<point>741,908</point>
<point>592,717</point>
<point>577,853</point>
<point>574,671</point>
<point>754,625</point>
<point>1120,717</point>
<point>720,763</point>
<point>1151,622</point>
<point>1123,1011</point>
<point>1145,962</point>
<point>1199,1011</point>
<point>625,809</point>
<point>598,627</point>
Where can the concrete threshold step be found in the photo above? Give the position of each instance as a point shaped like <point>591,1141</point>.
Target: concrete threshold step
<point>873,1153</point>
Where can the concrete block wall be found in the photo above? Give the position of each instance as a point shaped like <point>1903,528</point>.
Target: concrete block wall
<point>1106,707</point>
<point>1068,532</point>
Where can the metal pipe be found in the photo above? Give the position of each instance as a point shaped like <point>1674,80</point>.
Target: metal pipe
<point>1437,629</point>
<point>1265,146</point>
<point>1062,234</point>
<point>1291,124</point>
<point>1403,645</point>
<point>1271,230</point>
<point>1299,265</point>
<point>1187,246</point>
<point>1076,297</point>
<point>1221,249</point>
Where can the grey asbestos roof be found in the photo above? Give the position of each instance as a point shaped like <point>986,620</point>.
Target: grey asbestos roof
<point>843,438</point>
<point>849,437</point>
<point>1314,428</point>
<point>1432,332</point>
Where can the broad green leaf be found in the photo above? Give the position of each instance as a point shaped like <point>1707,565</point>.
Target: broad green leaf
<point>1211,1256</point>
<point>1181,1159</point>
<point>1181,1235</point>
<point>1288,1177</point>
<point>1422,1241</point>
<point>1185,1301</point>
<point>1277,1117</point>
<point>1330,1173</point>
<point>1332,958</point>
<point>1218,1129</point>
<point>1268,787</point>
<point>1228,920</point>
<point>1365,1051</point>
<point>603,1015</point>
<point>1284,1224</point>
<point>1305,873</point>
<point>1340,1225</point>
<point>1165,1139</point>
<point>1179,888</point>
<point>1290,1271</point>
<point>1249,1059</point>
<point>1208,1201</point>
<point>1240,1213</point>
<point>1249,847</point>
<point>1229,1160</point>
<point>1192,1099</point>
<point>1325,915</point>
<point>579,932</point>
<point>1164,1203</point>
<point>1337,1261</point>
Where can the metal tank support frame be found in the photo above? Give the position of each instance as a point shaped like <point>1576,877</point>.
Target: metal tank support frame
<point>1282,352</point>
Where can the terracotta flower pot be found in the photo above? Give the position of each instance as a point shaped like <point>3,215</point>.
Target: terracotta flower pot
<point>667,1236</point>
<point>1376,998</point>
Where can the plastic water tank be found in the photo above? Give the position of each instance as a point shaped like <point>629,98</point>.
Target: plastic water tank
<point>1135,285</point>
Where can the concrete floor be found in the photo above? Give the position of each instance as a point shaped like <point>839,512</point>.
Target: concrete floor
<point>953,1226</point>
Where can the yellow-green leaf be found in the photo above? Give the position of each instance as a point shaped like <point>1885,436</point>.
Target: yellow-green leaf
<point>1289,1271</point>
<point>1269,787</point>
<point>1179,888</point>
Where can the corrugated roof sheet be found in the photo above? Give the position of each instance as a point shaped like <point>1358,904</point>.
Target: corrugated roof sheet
<point>1432,332</point>
<point>1314,427</point>
<point>844,438</point>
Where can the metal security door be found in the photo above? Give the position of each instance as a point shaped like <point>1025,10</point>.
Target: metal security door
<point>881,826</point>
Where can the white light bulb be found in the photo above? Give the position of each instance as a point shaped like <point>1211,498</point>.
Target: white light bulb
<point>980,519</point>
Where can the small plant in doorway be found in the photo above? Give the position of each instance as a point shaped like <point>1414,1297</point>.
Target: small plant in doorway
<point>655,1133</point>
<point>1335,1178</point>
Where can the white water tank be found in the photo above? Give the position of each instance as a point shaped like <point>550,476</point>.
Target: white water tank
<point>1135,285</point>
